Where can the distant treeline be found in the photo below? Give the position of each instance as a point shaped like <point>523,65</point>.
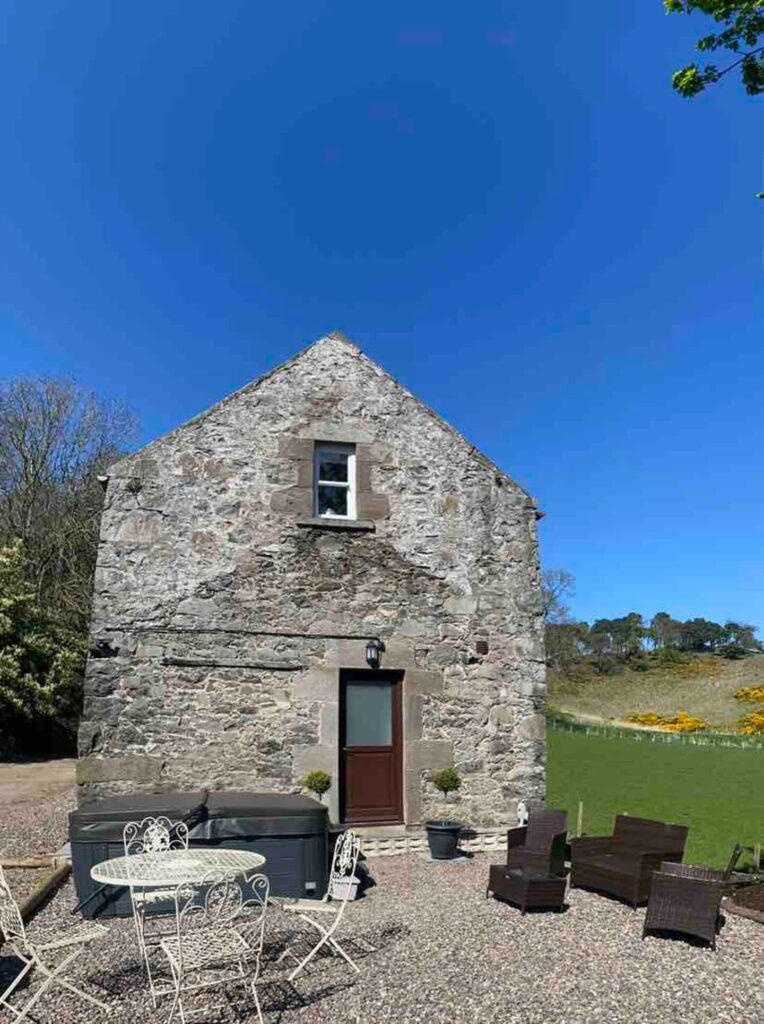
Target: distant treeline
<point>633,637</point>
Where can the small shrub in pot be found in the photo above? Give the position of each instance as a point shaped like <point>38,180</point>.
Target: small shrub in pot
<point>317,782</point>
<point>443,833</point>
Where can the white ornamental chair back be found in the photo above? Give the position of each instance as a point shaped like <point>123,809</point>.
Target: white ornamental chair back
<point>37,956</point>
<point>342,876</point>
<point>342,883</point>
<point>217,929</point>
<point>156,835</point>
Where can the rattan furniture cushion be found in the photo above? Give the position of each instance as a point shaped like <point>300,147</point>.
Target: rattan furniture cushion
<point>527,888</point>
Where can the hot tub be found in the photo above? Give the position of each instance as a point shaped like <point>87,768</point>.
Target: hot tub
<point>289,831</point>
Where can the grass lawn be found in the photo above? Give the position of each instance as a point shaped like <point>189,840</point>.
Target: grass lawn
<point>718,792</point>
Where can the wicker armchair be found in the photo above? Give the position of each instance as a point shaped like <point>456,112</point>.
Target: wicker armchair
<point>540,844</point>
<point>686,898</point>
<point>622,864</point>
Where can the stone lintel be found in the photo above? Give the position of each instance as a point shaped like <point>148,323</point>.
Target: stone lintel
<point>296,448</point>
<point>344,433</point>
<point>130,768</point>
<point>319,684</point>
<point>417,680</point>
<point>398,654</point>
<point>373,454</point>
<point>346,653</point>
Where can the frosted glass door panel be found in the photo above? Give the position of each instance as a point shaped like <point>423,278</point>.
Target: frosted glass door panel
<point>369,715</point>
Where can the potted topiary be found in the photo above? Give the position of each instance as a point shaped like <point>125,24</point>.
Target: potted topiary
<point>317,782</point>
<point>443,834</point>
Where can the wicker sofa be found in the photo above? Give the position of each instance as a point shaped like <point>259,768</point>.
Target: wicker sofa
<point>622,864</point>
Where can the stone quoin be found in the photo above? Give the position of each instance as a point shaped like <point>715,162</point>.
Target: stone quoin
<point>248,558</point>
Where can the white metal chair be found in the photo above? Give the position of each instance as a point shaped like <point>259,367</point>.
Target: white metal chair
<point>40,956</point>
<point>217,931</point>
<point>346,852</point>
<point>151,835</point>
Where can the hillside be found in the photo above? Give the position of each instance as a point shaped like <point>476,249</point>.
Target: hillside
<point>705,686</point>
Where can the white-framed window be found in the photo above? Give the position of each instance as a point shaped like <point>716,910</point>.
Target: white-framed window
<point>334,481</point>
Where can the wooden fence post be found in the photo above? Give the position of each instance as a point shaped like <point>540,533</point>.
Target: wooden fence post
<point>580,822</point>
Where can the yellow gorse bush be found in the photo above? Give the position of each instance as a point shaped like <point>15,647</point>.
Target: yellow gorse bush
<point>646,718</point>
<point>753,724</point>
<point>685,723</point>
<point>681,722</point>
<point>750,695</point>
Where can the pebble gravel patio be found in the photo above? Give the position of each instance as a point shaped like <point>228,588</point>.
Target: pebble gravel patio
<point>445,955</point>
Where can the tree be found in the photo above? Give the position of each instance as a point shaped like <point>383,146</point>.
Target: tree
<point>663,631</point>
<point>566,643</point>
<point>55,438</point>
<point>742,26</point>
<point>41,663</point>
<point>701,635</point>
<point>556,584</point>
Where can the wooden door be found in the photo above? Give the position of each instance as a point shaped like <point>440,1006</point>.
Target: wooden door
<point>371,746</point>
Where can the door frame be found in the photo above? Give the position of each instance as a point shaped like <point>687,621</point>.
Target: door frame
<point>395,677</point>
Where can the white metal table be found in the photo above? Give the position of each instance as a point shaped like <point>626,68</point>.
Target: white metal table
<point>152,876</point>
<point>170,868</point>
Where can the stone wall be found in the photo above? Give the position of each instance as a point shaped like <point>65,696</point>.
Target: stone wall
<point>225,612</point>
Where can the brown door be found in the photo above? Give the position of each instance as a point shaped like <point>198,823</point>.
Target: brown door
<point>370,737</point>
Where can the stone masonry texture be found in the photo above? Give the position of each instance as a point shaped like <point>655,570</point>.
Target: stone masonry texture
<point>227,613</point>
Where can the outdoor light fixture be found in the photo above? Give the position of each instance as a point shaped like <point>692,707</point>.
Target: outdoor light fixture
<point>374,650</point>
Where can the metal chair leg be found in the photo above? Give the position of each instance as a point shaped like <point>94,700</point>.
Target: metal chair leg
<point>49,980</point>
<point>257,1002</point>
<point>28,965</point>
<point>73,988</point>
<point>336,946</point>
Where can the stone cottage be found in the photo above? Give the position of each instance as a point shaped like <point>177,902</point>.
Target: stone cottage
<point>318,573</point>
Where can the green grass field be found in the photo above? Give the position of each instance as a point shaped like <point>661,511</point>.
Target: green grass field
<point>718,792</point>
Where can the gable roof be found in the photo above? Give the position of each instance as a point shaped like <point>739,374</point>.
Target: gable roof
<point>333,336</point>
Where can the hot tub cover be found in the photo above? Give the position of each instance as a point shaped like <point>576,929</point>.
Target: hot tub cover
<point>104,820</point>
<point>214,815</point>
<point>236,813</point>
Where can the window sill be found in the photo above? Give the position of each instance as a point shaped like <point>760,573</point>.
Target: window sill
<point>330,523</point>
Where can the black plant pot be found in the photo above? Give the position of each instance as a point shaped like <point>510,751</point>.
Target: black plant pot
<point>443,837</point>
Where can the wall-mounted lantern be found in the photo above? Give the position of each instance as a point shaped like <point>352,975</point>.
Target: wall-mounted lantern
<point>374,650</point>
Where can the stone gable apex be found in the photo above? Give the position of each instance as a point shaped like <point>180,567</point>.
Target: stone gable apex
<point>345,344</point>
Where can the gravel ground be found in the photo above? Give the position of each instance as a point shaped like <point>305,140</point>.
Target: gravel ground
<point>432,950</point>
<point>35,799</point>
<point>443,954</point>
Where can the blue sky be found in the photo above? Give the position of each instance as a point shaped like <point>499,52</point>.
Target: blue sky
<point>507,207</point>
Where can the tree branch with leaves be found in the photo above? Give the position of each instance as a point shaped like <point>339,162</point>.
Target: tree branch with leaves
<point>741,24</point>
